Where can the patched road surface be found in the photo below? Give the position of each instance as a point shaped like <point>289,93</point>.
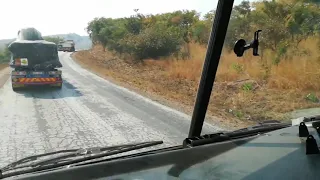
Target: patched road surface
<point>88,111</point>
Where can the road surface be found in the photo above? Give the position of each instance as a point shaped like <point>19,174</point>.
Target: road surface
<point>88,111</point>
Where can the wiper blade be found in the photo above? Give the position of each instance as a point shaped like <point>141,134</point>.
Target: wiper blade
<point>33,158</point>
<point>96,152</point>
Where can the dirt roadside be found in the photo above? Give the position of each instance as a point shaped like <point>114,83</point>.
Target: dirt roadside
<point>123,81</point>
<point>4,74</point>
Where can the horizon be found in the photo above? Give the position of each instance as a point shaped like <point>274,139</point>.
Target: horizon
<point>50,23</point>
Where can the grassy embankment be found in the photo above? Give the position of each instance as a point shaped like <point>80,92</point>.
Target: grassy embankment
<point>2,66</point>
<point>243,92</point>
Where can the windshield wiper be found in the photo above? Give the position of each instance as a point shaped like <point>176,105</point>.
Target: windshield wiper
<point>32,158</point>
<point>311,118</point>
<point>57,161</point>
<point>262,127</point>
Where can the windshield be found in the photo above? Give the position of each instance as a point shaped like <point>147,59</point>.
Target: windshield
<point>116,72</point>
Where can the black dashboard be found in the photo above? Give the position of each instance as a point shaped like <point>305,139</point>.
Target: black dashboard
<point>279,154</point>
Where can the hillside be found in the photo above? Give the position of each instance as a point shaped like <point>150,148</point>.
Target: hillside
<point>82,42</point>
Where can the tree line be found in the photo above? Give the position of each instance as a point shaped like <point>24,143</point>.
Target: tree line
<point>285,23</point>
<point>4,55</point>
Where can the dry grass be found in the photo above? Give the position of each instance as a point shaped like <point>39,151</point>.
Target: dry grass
<point>246,90</point>
<point>2,66</point>
<point>4,74</point>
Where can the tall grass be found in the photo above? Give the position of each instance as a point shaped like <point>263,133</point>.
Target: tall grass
<point>301,72</point>
<point>247,89</point>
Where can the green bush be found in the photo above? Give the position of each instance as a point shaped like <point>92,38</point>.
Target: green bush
<point>153,42</point>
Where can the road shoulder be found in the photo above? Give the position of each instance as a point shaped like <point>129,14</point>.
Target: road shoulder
<point>4,74</point>
<point>99,71</point>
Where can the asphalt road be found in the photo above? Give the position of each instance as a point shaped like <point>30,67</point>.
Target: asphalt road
<point>88,111</point>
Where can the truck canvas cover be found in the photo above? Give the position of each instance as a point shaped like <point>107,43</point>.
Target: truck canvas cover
<point>33,51</point>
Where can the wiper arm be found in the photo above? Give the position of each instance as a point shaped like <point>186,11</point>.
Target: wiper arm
<point>311,118</point>
<point>263,127</point>
<point>97,152</point>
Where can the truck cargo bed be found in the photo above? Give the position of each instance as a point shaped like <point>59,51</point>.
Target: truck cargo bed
<point>40,54</point>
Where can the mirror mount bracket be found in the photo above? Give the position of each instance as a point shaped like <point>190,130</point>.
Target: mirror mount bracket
<point>241,45</point>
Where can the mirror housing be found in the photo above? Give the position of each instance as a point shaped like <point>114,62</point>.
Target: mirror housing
<point>241,45</point>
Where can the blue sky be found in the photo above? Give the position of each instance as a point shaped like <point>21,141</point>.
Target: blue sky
<point>71,16</point>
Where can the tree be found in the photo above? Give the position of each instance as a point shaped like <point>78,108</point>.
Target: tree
<point>240,24</point>
<point>5,55</point>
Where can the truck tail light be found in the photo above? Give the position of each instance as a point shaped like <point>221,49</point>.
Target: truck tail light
<point>17,62</point>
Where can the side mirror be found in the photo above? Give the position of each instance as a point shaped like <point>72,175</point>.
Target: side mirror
<point>241,45</point>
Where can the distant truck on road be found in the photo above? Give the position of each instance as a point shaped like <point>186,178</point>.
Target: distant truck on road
<point>34,61</point>
<point>67,45</point>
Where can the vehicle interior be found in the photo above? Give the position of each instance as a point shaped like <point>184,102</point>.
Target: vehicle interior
<point>269,150</point>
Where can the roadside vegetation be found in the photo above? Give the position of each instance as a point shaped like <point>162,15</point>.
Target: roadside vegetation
<point>4,56</point>
<point>163,54</point>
